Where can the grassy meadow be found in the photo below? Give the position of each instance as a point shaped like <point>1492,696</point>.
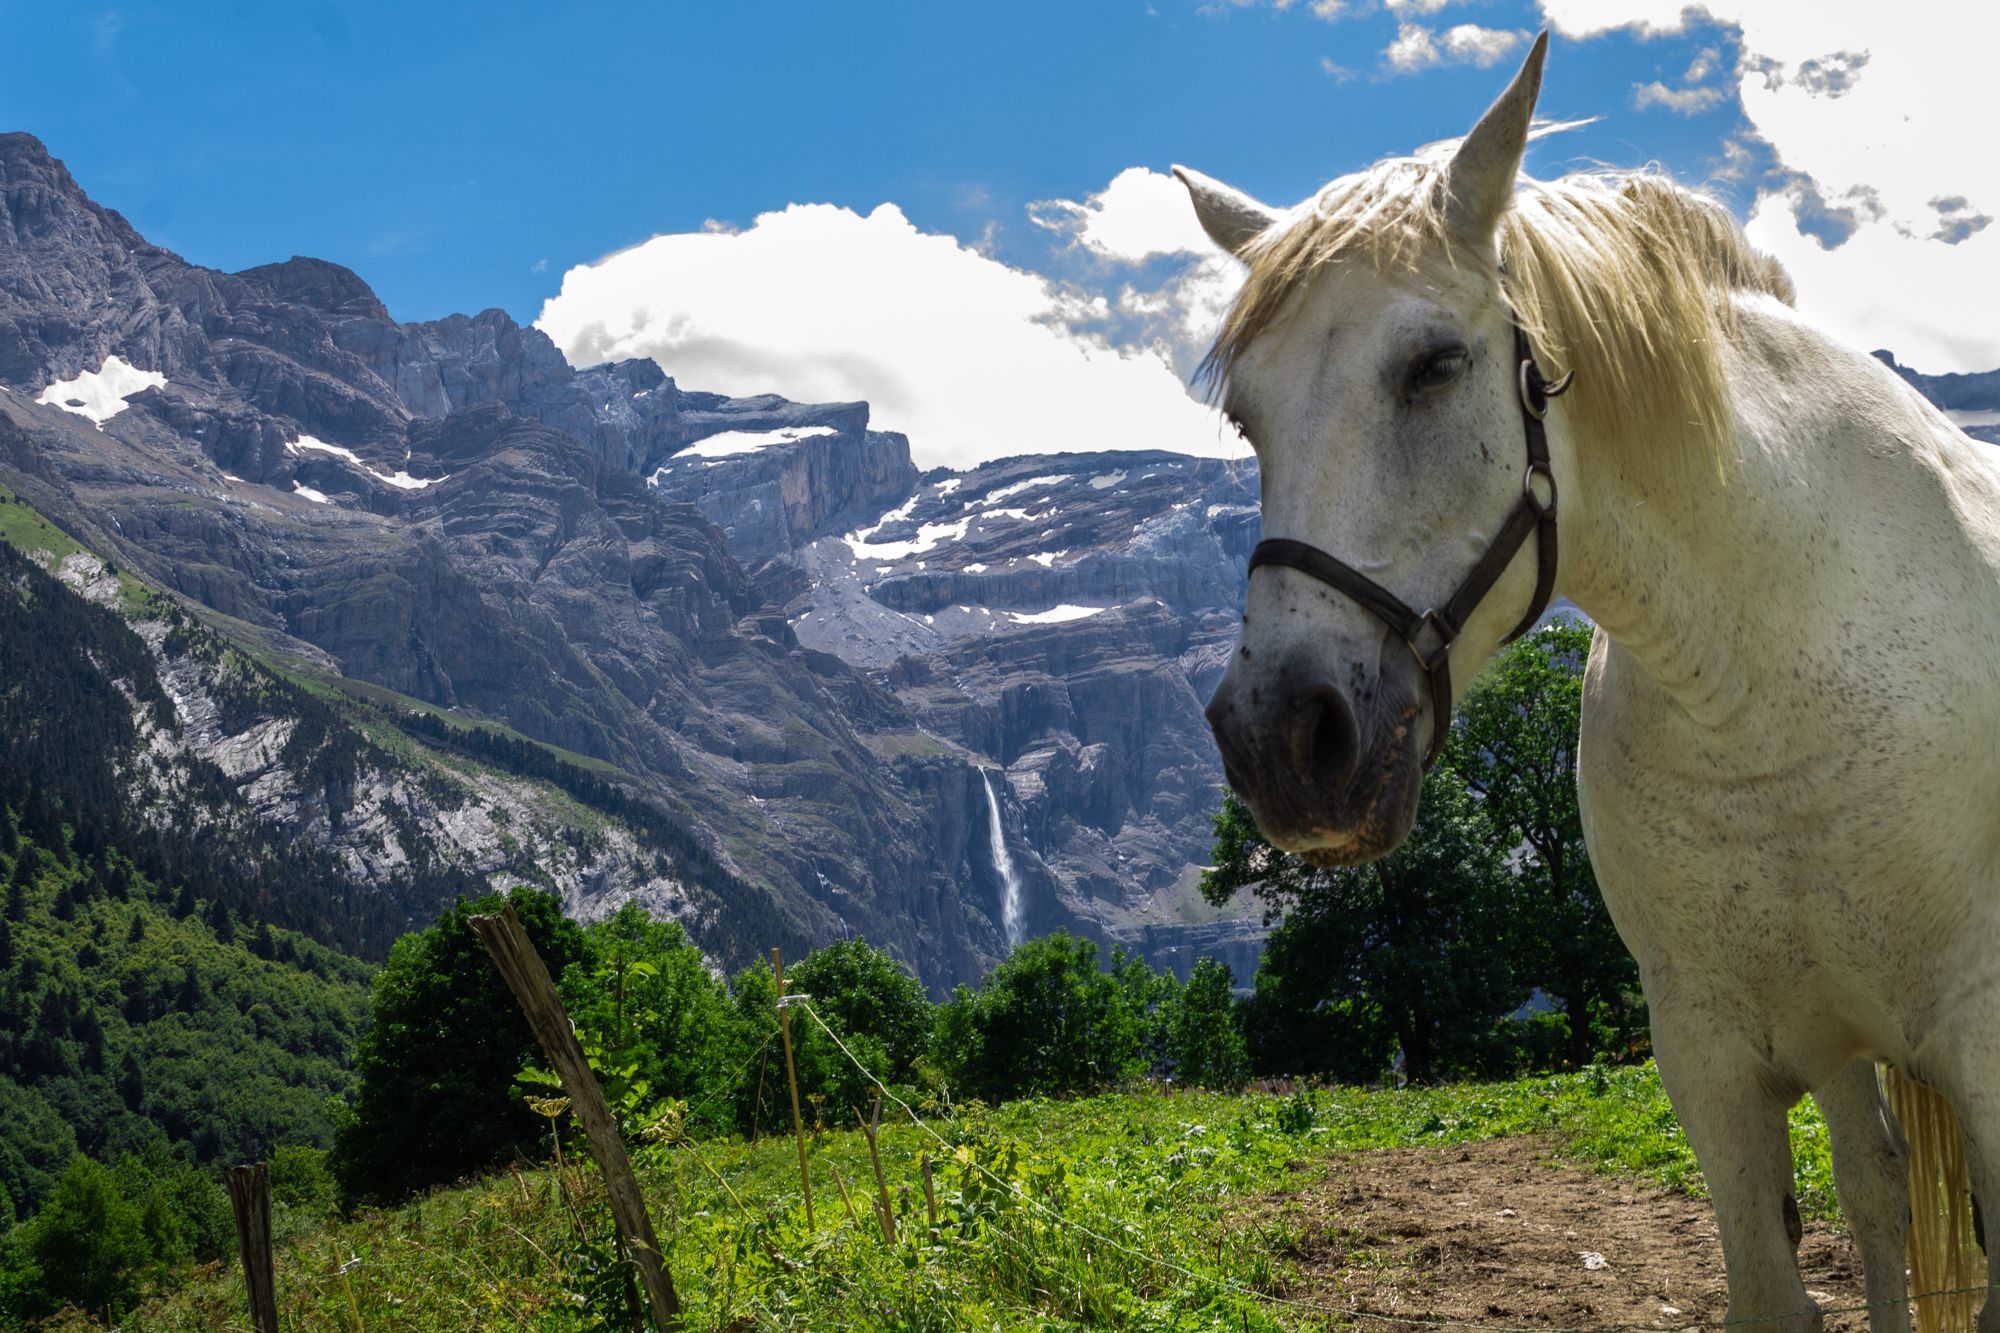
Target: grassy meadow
<point>1125,1211</point>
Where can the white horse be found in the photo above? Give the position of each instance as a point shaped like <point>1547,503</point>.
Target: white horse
<point>1791,733</point>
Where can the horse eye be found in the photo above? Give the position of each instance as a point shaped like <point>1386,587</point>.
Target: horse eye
<point>1438,369</point>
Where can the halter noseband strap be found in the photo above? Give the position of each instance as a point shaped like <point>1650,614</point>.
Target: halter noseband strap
<point>1429,635</point>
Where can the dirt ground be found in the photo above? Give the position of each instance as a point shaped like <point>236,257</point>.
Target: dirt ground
<point>1498,1233</point>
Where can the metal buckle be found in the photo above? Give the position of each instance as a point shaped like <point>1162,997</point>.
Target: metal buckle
<point>1445,634</point>
<point>1534,399</point>
<point>1542,470</point>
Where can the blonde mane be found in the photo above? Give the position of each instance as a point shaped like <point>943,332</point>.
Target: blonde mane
<point>1624,279</point>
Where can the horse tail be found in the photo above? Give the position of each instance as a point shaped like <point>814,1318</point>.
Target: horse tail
<point>1944,1255</point>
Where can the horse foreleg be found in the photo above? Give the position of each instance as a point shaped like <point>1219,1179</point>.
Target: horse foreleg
<point>1735,1121</point>
<point>1871,1172</point>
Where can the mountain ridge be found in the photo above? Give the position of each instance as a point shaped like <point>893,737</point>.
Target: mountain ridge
<point>447,510</point>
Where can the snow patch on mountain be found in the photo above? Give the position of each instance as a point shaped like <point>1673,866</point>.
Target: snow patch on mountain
<point>730,443</point>
<point>1015,488</point>
<point>101,394</point>
<point>400,478</point>
<point>1055,615</point>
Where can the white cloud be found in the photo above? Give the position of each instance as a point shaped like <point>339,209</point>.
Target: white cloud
<point>1589,18</point>
<point>1870,103</point>
<point>1140,215</point>
<point>1143,216</point>
<point>1330,10</point>
<point>1680,101</point>
<point>1413,49</point>
<point>974,359</point>
<point>1178,318</point>
<point>1417,47</point>
<point>1481,46</point>
<point>1929,302</point>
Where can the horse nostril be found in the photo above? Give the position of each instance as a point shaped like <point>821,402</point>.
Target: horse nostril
<point>1324,749</point>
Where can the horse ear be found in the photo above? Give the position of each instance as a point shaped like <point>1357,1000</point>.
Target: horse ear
<point>1483,171</point>
<point>1231,218</point>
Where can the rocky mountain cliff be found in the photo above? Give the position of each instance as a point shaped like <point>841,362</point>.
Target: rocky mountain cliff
<point>754,612</point>
<point>1971,401</point>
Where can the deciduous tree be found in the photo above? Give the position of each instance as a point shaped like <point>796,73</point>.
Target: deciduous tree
<point>437,1098</point>
<point>1407,947</point>
<point>1204,1039</point>
<point>1514,745</point>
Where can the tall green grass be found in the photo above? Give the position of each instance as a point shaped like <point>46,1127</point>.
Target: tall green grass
<point>1121,1211</point>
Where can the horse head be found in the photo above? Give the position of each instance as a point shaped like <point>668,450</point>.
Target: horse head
<point>1374,364</point>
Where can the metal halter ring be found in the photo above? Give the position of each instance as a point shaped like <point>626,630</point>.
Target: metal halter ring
<point>1540,469</point>
<point>1536,391</point>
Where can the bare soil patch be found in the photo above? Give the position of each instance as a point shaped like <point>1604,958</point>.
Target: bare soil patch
<point>1500,1233</point>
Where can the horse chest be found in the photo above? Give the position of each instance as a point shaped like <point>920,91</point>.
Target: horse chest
<point>1804,888</point>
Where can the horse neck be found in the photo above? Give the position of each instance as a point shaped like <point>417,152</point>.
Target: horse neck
<point>1713,583</point>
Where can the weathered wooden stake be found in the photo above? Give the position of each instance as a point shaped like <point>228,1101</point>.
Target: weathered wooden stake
<point>522,968</point>
<point>792,1077</point>
<point>930,1194</point>
<point>845,1197</point>
<point>882,1209</point>
<point>757,1106</point>
<point>250,1199</point>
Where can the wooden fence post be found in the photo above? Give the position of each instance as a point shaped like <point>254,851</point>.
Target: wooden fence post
<point>792,1077</point>
<point>514,955</point>
<point>882,1210</point>
<point>250,1199</point>
<point>930,1195</point>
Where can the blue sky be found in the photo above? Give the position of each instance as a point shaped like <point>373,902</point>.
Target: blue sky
<point>463,156</point>
<point>443,150</point>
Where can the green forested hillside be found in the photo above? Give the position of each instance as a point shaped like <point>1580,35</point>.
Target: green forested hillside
<point>132,1014</point>
<point>76,686</point>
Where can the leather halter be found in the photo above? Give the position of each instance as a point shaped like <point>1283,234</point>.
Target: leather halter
<point>1429,635</point>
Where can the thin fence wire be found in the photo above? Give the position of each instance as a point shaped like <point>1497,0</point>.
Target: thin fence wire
<point>728,1086</point>
<point>1314,1307</point>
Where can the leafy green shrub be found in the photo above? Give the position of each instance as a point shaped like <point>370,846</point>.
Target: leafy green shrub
<point>1050,1019</point>
<point>1204,1042</point>
<point>304,1193</point>
<point>87,1247</point>
<point>1401,950</point>
<point>644,997</point>
<point>875,1005</point>
<point>183,1211</point>
<point>437,1100</point>
<point>1514,745</point>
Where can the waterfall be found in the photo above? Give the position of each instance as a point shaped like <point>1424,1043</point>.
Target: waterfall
<point>1003,862</point>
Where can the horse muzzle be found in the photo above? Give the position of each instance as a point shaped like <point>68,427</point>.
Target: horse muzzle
<point>1324,777</point>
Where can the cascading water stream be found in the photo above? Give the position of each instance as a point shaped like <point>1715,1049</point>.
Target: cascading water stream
<point>1003,862</point>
